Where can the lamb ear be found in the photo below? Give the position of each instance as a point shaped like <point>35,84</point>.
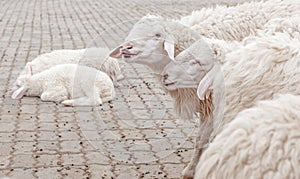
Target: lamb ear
<point>28,69</point>
<point>204,85</point>
<point>19,93</point>
<point>169,47</point>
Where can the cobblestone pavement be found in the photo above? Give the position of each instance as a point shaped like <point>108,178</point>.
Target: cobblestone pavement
<point>135,136</point>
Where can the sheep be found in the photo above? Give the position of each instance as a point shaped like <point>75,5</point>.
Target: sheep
<point>155,41</point>
<point>265,65</point>
<point>260,142</point>
<point>240,21</point>
<point>92,57</point>
<point>70,84</point>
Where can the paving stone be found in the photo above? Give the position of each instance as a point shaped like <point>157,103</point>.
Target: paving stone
<point>24,147</point>
<point>50,172</point>
<point>72,159</point>
<point>46,160</point>
<point>22,173</point>
<point>101,171</point>
<point>97,158</point>
<point>21,161</point>
<point>70,146</point>
<point>6,137</point>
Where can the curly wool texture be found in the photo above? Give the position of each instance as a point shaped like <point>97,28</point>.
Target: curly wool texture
<point>268,65</point>
<point>261,142</point>
<point>91,57</point>
<point>290,26</point>
<point>238,22</point>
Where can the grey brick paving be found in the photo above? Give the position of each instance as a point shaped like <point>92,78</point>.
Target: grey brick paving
<point>135,136</point>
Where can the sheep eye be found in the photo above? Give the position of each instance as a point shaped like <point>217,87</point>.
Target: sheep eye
<point>194,62</point>
<point>157,35</point>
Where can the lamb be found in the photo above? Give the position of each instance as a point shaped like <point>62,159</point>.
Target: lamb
<point>71,84</point>
<point>265,65</point>
<point>260,142</point>
<point>92,57</point>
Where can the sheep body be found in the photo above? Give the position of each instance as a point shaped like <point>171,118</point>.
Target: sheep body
<point>92,57</point>
<point>290,26</point>
<point>261,142</point>
<point>70,84</point>
<point>238,22</point>
<point>254,72</point>
<point>263,66</point>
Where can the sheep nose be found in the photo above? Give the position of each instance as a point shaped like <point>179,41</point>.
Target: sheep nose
<point>127,47</point>
<point>165,77</point>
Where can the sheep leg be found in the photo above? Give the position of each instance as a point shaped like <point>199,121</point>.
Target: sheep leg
<point>188,172</point>
<point>56,95</point>
<point>202,138</point>
<point>83,101</point>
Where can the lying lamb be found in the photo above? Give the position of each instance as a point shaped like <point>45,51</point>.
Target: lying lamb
<point>92,57</point>
<point>265,65</point>
<point>260,142</point>
<point>71,84</point>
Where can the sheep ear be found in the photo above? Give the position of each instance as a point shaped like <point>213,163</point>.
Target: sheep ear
<point>204,85</point>
<point>169,48</point>
<point>19,93</point>
<point>28,69</point>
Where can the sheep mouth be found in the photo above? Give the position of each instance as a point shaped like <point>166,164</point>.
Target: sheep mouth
<point>170,86</point>
<point>123,52</point>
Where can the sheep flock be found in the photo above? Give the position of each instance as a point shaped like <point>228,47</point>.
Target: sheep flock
<point>235,68</point>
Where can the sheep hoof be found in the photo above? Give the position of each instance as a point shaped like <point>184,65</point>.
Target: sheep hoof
<point>187,176</point>
<point>187,173</point>
<point>68,102</point>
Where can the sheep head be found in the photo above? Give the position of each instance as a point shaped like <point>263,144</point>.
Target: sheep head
<point>154,41</point>
<point>190,70</point>
<point>189,67</point>
<point>21,84</point>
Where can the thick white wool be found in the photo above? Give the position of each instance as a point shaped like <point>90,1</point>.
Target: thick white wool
<point>290,25</point>
<point>71,83</point>
<point>92,57</point>
<point>267,65</point>
<point>261,142</point>
<point>238,22</point>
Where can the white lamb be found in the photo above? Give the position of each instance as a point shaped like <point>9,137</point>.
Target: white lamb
<point>71,84</point>
<point>265,65</point>
<point>260,142</point>
<point>92,57</point>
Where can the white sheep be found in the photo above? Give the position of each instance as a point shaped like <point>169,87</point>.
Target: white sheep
<point>154,41</point>
<point>71,84</point>
<point>92,57</point>
<point>253,72</point>
<point>238,22</point>
<point>260,142</point>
